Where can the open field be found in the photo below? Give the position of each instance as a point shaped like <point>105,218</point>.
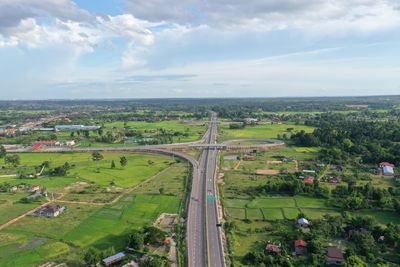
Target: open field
<point>80,227</point>
<point>34,240</point>
<point>261,131</point>
<point>10,207</point>
<point>139,167</point>
<point>193,130</point>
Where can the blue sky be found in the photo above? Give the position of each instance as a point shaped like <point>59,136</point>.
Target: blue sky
<point>198,48</point>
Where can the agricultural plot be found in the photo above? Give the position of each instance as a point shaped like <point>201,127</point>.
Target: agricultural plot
<point>139,168</point>
<point>10,207</point>
<point>261,131</point>
<point>34,240</point>
<point>194,131</point>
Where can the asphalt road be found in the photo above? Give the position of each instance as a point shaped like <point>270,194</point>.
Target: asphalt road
<point>215,250</point>
<point>203,237</point>
<point>204,246</point>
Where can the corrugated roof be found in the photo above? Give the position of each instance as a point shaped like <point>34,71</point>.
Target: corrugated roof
<point>117,257</point>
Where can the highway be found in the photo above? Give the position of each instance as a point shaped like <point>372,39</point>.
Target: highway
<point>204,245</point>
<point>215,249</point>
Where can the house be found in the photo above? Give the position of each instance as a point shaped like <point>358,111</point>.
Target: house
<point>300,247</point>
<point>249,157</point>
<point>309,180</point>
<point>388,171</point>
<point>387,168</point>
<point>75,128</point>
<point>39,144</point>
<point>114,259</point>
<point>273,249</point>
<point>250,121</point>
<point>34,188</point>
<point>334,180</point>
<point>386,164</point>
<point>334,256</point>
<point>308,171</point>
<point>70,143</point>
<point>303,222</point>
<point>50,211</point>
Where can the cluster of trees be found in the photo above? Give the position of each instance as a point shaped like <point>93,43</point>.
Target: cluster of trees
<point>148,236</point>
<point>60,170</point>
<point>12,160</point>
<point>352,197</point>
<point>343,138</point>
<point>367,242</point>
<point>111,137</point>
<point>291,185</point>
<point>93,256</point>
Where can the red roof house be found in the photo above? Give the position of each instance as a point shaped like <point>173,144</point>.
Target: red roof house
<point>334,256</point>
<point>309,180</point>
<point>386,164</point>
<point>249,157</point>
<point>300,247</point>
<point>273,249</point>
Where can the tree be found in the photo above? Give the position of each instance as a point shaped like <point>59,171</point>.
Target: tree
<point>92,257</point>
<point>355,261</point>
<point>13,160</point>
<point>153,235</point>
<point>365,243</point>
<point>123,161</point>
<point>161,190</point>
<point>112,164</point>
<point>3,152</point>
<point>136,240</point>
<point>254,258</point>
<point>96,156</point>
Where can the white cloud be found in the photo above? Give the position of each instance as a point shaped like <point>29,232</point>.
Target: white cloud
<point>129,27</point>
<point>255,15</point>
<point>12,12</point>
<point>36,23</point>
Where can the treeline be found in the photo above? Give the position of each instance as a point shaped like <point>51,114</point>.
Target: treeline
<point>289,185</point>
<point>352,197</point>
<point>342,139</point>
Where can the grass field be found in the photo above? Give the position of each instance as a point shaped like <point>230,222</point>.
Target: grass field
<point>11,208</point>
<point>137,170</point>
<point>261,131</point>
<point>194,131</point>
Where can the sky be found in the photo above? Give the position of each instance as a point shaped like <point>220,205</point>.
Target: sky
<point>65,49</point>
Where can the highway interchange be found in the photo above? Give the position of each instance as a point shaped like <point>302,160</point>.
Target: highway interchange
<point>204,244</point>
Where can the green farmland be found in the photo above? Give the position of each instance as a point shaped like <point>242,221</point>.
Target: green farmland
<point>194,131</point>
<point>90,222</point>
<point>261,131</point>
